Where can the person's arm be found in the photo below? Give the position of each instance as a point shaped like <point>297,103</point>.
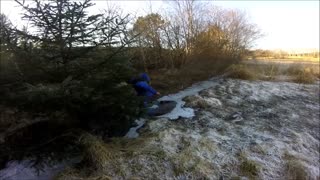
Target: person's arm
<point>147,87</point>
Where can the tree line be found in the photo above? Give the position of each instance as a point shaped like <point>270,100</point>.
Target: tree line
<point>189,30</point>
<point>281,54</point>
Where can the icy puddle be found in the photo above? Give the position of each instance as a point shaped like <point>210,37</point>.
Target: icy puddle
<point>180,110</point>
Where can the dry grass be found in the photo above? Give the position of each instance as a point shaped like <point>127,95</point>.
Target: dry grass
<point>169,81</point>
<point>291,58</point>
<point>241,71</point>
<point>70,174</point>
<point>294,167</point>
<point>248,167</point>
<point>293,70</point>
<point>301,74</point>
<point>98,157</point>
<point>173,80</point>
<point>271,71</point>
<point>303,58</point>
<point>305,78</point>
<point>186,161</point>
<point>97,153</point>
<point>114,159</point>
<point>295,170</point>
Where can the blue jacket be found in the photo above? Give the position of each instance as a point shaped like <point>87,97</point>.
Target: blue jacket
<point>142,87</point>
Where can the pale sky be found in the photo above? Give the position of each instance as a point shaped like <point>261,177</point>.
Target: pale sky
<point>286,24</point>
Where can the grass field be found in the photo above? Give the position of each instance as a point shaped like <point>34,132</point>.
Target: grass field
<point>171,81</point>
<point>289,59</point>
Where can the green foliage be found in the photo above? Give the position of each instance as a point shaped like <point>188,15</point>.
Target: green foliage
<point>65,25</point>
<point>100,103</point>
<point>101,99</point>
<point>108,104</point>
<point>69,77</point>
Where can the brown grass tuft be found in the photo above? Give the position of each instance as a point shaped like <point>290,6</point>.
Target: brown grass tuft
<point>97,153</point>
<point>294,167</point>
<point>249,168</point>
<point>305,77</point>
<point>240,71</point>
<point>295,170</point>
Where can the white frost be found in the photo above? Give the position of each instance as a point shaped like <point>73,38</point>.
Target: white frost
<point>179,110</point>
<point>132,133</point>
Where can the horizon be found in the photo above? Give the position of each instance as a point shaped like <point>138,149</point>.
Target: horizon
<point>292,25</point>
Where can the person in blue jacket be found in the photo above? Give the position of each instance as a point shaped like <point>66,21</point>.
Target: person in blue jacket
<point>142,86</point>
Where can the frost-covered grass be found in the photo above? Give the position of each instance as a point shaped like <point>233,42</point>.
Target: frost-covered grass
<point>295,170</point>
<point>254,130</point>
<point>238,130</point>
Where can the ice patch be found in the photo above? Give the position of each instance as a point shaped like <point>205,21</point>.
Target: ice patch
<point>23,170</point>
<point>154,106</point>
<point>132,133</point>
<point>179,110</point>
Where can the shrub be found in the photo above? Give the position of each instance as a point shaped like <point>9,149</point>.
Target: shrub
<point>301,74</point>
<point>99,102</point>
<point>239,71</point>
<point>294,70</point>
<point>305,78</point>
<point>271,71</point>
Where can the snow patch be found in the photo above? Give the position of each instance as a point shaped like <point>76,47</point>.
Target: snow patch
<point>132,133</point>
<point>185,112</point>
<point>23,170</point>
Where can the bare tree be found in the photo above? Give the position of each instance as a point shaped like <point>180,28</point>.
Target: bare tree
<point>189,16</point>
<point>239,32</point>
<point>149,30</point>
